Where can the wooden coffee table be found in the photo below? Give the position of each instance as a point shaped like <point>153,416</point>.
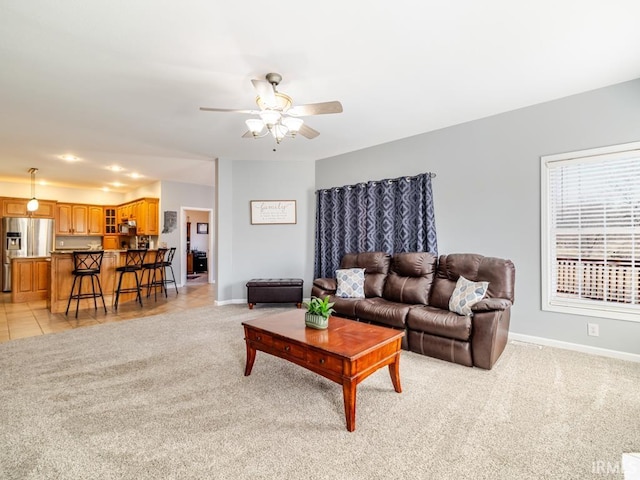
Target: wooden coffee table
<point>347,352</point>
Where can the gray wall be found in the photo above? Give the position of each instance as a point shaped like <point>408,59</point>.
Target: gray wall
<point>263,251</point>
<point>487,190</point>
<point>173,196</point>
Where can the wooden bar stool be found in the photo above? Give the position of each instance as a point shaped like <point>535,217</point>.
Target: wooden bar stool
<point>86,264</point>
<point>132,265</point>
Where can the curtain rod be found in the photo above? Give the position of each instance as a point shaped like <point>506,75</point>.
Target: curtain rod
<point>389,180</point>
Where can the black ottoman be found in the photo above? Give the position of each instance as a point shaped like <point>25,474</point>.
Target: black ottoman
<point>274,290</point>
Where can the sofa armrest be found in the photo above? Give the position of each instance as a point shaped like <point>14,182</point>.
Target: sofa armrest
<point>489,334</point>
<point>488,304</point>
<point>329,285</point>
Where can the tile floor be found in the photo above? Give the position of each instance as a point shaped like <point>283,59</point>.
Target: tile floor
<point>19,320</point>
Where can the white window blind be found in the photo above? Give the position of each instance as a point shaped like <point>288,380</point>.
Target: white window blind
<point>591,253</point>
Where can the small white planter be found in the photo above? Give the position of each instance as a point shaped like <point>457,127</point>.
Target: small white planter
<point>316,321</point>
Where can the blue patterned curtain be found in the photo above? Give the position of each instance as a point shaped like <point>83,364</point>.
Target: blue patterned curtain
<point>393,215</point>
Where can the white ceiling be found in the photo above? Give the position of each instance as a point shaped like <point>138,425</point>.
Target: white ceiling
<point>121,81</point>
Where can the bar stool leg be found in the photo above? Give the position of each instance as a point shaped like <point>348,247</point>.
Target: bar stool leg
<point>93,289</point>
<point>115,305</point>
<point>71,294</point>
<point>78,295</point>
<point>175,285</point>
<point>104,305</point>
<point>163,283</point>
<point>139,287</point>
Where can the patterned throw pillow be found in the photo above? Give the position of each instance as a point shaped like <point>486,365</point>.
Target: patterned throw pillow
<point>466,294</point>
<point>350,282</point>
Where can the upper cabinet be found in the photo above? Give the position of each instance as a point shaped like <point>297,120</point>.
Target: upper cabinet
<point>110,221</point>
<point>78,219</point>
<point>145,213</point>
<point>17,207</point>
<point>88,220</point>
<point>96,220</point>
<point>147,216</point>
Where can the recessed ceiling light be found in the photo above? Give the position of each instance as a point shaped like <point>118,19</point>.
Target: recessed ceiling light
<point>69,158</point>
<point>105,189</point>
<point>117,184</point>
<point>115,168</point>
<point>135,175</point>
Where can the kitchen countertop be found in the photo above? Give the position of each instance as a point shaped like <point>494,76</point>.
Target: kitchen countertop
<point>71,250</point>
<point>63,251</point>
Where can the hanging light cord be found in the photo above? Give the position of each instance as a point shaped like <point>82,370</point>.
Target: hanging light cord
<point>33,203</point>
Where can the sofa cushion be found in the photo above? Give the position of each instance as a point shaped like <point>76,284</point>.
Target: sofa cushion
<point>466,295</point>
<point>410,277</point>
<point>442,323</point>
<point>350,282</point>
<point>498,272</point>
<point>345,307</point>
<point>382,311</point>
<point>376,267</point>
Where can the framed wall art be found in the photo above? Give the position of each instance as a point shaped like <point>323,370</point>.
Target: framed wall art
<point>202,228</point>
<point>273,212</point>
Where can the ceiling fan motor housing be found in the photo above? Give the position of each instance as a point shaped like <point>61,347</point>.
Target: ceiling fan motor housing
<point>273,78</point>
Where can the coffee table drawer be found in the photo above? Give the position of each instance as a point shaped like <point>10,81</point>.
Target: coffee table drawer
<point>324,361</point>
<point>290,349</point>
<point>261,337</point>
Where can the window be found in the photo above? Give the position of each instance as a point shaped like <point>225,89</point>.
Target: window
<point>591,232</point>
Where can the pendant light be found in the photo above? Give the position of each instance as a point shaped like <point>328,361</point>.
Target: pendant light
<point>32,205</point>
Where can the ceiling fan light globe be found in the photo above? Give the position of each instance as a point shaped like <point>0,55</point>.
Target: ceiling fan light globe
<point>270,118</point>
<point>279,131</point>
<point>293,124</point>
<point>255,126</point>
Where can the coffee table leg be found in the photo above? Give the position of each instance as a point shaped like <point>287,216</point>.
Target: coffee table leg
<point>251,356</point>
<point>394,371</point>
<point>349,394</point>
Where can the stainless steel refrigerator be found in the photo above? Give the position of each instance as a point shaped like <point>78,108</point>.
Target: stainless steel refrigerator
<point>24,237</point>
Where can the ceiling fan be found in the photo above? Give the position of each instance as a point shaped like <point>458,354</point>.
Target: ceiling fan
<point>277,115</point>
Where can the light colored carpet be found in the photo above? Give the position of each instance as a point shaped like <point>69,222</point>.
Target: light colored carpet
<point>165,397</point>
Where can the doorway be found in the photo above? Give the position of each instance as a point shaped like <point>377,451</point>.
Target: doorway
<point>197,242</point>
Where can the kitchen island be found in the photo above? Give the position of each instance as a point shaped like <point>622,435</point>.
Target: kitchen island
<point>29,279</point>
<point>61,279</point>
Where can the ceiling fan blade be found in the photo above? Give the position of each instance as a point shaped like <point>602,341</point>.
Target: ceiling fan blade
<point>247,134</point>
<point>315,109</point>
<point>265,92</point>
<point>308,132</point>
<point>208,109</point>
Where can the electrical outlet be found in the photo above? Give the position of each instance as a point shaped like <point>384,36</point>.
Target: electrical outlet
<point>593,329</point>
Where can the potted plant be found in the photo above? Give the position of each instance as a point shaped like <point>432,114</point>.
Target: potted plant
<point>318,313</point>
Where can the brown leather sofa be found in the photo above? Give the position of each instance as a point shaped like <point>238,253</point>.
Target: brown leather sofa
<point>411,291</point>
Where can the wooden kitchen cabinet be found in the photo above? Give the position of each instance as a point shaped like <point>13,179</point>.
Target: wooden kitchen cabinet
<point>124,212</point>
<point>153,207</point>
<point>95,220</point>
<point>145,212</point>
<point>29,279</point>
<point>110,242</point>
<point>110,221</point>
<point>147,220</point>
<point>17,207</point>
<point>79,219</point>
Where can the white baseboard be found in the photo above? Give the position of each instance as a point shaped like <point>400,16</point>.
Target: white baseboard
<point>220,303</point>
<point>603,352</point>
<point>242,300</point>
